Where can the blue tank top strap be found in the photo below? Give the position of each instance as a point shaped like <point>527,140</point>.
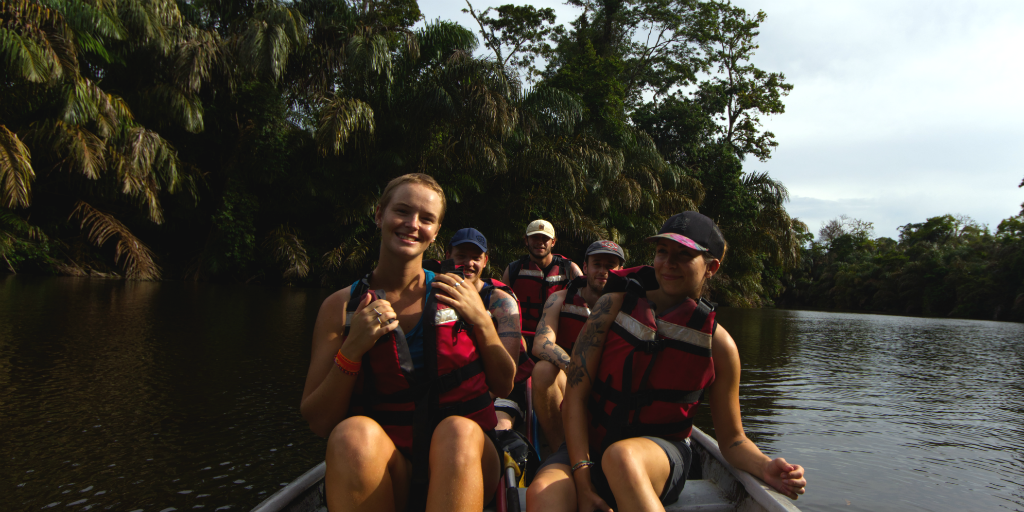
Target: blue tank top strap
<point>414,338</point>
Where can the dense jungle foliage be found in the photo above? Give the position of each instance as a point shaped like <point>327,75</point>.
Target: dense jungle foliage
<point>947,266</point>
<point>248,141</point>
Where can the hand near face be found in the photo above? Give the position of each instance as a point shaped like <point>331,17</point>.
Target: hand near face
<point>371,320</point>
<point>461,296</point>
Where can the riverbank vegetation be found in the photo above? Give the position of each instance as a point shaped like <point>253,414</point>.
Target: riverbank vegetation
<point>248,141</point>
<point>946,266</point>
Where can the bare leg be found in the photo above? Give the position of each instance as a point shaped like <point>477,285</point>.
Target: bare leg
<point>504,421</point>
<point>365,472</point>
<point>464,467</point>
<point>548,389</point>
<point>553,489</point>
<point>636,469</point>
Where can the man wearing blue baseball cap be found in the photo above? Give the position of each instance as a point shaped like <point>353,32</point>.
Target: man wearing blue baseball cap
<point>468,249</point>
<point>563,317</point>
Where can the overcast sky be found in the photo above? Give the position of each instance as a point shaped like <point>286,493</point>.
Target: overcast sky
<point>901,110</point>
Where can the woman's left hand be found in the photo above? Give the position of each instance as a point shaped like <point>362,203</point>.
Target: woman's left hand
<point>785,477</point>
<point>461,296</point>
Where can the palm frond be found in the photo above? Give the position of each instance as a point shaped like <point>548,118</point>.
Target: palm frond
<point>16,172</point>
<point>146,164</point>
<point>287,248</point>
<point>134,256</point>
<point>32,61</point>
<point>341,119</point>
<point>178,104</point>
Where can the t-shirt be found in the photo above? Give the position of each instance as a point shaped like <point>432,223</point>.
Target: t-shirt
<point>414,338</point>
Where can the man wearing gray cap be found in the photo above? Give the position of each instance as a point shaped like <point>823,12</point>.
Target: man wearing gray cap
<point>563,317</point>
<point>537,275</point>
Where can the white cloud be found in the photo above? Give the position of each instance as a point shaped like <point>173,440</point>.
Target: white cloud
<point>901,110</point>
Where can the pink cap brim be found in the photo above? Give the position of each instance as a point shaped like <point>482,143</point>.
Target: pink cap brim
<point>680,239</point>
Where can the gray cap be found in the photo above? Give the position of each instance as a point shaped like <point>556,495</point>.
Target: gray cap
<point>606,247</point>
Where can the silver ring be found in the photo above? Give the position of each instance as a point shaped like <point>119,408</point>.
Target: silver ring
<point>375,311</point>
<point>458,284</point>
<point>379,322</point>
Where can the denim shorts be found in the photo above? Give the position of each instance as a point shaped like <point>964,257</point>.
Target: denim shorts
<point>679,456</point>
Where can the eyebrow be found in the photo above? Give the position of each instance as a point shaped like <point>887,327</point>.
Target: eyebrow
<point>407,205</point>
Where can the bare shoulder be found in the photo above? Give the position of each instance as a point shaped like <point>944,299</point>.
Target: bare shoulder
<point>723,348</point>
<point>502,301</point>
<point>332,311</point>
<point>576,270</point>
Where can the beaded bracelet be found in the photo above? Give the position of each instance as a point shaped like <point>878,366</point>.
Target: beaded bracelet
<point>581,464</point>
<point>348,367</point>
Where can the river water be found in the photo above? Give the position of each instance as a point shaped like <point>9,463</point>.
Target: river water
<point>175,396</point>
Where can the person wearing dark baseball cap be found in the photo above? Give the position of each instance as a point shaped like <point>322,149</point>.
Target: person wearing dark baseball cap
<point>644,361</point>
<point>468,249</point>
<point>563,317</point>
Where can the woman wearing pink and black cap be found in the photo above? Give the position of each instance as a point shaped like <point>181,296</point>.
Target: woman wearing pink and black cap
<point>627,445</point>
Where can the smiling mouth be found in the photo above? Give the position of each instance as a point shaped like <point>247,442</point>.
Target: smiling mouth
<point>407,238</point>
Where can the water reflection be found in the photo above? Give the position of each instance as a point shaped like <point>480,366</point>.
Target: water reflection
<point>888,413</point>
<point>153,396</point>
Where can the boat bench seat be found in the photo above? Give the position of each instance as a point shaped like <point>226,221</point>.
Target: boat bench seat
<point>702,496</point>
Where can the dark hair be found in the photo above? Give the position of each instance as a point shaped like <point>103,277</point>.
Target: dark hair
<point>705,286</point>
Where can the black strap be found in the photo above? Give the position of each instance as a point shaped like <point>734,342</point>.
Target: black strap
<point>647,397</point>
<point>514,268</point>
<point>700,314</point>
<point>422,422</point>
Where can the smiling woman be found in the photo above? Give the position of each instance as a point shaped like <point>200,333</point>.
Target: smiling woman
<point>406,325</point>
<point>640,367</point>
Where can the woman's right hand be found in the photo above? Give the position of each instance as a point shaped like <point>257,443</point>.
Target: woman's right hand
<point>371,320</point>
<point>587,499</point>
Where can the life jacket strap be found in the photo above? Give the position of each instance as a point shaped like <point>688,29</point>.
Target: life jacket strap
<point>644,398</point>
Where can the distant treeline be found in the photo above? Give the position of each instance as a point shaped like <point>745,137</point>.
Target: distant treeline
<point>248,141</point>
<point>947,266</point>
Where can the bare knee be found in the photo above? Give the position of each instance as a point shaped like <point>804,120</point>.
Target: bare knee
<point>457,437</point>
<point>544,374</point>
<point>552,490</point>
<point>357,449</point>
<point>619,460</point>
<point>356,436</point>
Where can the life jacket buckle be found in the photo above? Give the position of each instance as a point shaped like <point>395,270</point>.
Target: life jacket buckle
<point>449,381</point>
<point>652,346</point>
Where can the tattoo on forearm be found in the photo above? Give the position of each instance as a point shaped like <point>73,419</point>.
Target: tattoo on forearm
<point>550,302</point>
<point>510,334</point>
<point>550,351</point>
<point>737,443</point>
<point>590,339</point>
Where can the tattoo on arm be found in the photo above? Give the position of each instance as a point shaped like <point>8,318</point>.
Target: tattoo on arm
<point>590,339</point>
<point>737,443</point>
<point>506,319</point>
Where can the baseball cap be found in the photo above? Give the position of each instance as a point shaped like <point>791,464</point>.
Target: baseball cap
<point>469,236</point>
<point>606,247</point>
<point>693,230</point>
<point>540,227</point>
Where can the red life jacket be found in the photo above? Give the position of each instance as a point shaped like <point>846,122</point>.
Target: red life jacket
<point>664,360</point>
<point>533,286</point>
<point>573,315</point>
<point>409,403</point>
<point>524,366</point>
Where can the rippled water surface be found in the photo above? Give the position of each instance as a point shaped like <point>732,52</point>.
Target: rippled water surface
<point>170,396</point>
<point>151,396</point>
